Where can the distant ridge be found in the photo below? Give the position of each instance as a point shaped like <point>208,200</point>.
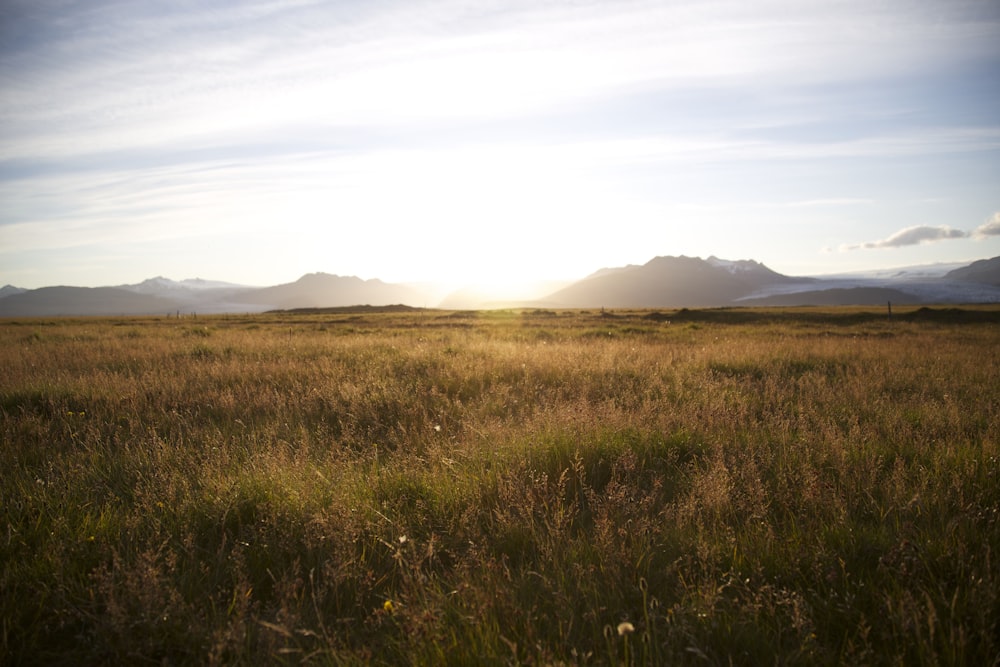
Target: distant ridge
<point>691,282</point>
<point>323,290</point>
<point>662,282</point>
<point>76,301</point>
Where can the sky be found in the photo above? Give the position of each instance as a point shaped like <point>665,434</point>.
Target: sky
<point>492,141</point>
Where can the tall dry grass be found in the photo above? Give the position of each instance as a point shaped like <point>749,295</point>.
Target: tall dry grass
<point>801,487</point>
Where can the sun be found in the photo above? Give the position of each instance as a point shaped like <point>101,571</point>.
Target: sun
<point>495,217</point>
<point>487,216</point>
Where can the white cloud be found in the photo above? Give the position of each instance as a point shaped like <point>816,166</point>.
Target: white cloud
<point>913,236</point>
<point>989,228</point>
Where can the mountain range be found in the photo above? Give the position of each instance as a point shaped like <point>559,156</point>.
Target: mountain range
<point>662,282</point>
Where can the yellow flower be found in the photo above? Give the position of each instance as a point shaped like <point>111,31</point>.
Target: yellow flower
<point>387,606</point>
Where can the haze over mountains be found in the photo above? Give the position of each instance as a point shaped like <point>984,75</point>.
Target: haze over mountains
<point>663,282</point>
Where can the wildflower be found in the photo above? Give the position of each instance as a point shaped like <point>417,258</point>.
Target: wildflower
<point>403,539</point>
<point>625,628</point>
<point>387,606</point>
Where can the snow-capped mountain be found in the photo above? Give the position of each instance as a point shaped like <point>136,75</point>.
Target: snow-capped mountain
<point>933,283</point>
<point>694,282</point>
<point>166,286</point>
<point>8,290</point>
<point>662,282</point>
<point>747,269</point>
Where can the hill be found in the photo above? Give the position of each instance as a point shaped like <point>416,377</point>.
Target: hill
<point>323,290</point>
<point>986,271</point>
<point>662,282</point>
<point>685,282</point>
<point>670,282</point>
<point>69,301</point>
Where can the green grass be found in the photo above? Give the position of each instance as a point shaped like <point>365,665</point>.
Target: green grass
<point>373,486</point>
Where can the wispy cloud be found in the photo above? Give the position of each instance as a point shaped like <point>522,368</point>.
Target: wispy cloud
<point>124,75</point>
<point>416,120</point>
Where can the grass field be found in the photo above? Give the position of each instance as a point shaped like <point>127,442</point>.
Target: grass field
<point>752,487</point>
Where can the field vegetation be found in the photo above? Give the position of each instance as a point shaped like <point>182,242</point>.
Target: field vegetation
<point>791,486</point>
